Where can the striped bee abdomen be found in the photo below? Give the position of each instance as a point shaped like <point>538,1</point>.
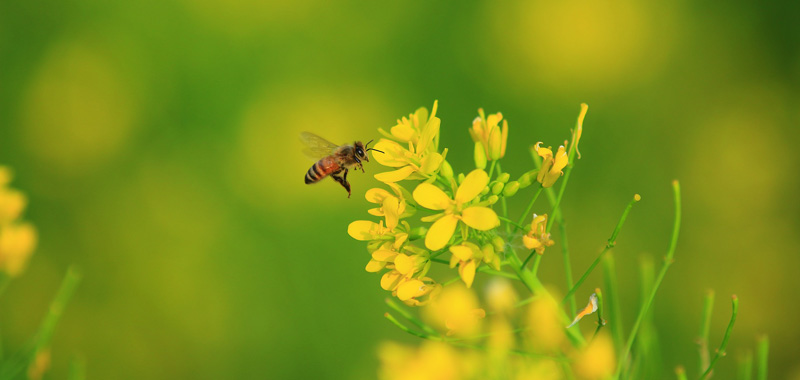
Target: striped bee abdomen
<point>321,169</point>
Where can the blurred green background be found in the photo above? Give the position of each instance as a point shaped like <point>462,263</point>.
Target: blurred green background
<point>157,142</point>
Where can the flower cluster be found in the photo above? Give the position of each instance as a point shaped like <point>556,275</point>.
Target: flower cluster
<point>428,211</point>
<point>17,238</point>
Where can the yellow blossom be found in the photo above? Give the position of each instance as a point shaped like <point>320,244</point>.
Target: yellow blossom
<point>416,154</point>
<point>551,165</point>
<point>545,330</point>
<point>478,217</point>
<point>596,361</point>
<point>487,133</point>
<point>392,207</point>
<point>366,230</point>
<point>17,239</point>
<point>538,238</point>
<point>456,310</point>
<point>431,361</point>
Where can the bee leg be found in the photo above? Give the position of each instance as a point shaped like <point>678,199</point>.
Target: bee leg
<point>362,167</point>
<point>342,179</point>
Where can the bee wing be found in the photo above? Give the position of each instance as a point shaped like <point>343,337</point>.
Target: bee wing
<point>317,147</point>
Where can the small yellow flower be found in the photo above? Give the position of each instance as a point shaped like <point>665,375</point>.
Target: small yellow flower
<point>366,230</point>
<point>467,256</point>
<point>419,158</point>
<point>392,207</point>
<point>551,165</point>
<point>17,239</point>
<point>538,238</point>
<point>597,360</point>
<point>489,135</point>
<point>456,309</point>
<point>478,217</point>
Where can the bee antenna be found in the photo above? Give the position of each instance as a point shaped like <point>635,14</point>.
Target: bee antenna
<point>368,142</point>
<point>376,150</point>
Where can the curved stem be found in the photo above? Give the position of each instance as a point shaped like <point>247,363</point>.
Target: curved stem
<point>676,227</point>
<point>721,349</point>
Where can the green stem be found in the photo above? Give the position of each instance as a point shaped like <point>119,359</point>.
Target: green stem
<point>511,222</point>
<point>600,321</point>
<point>746,367</point>
<point>491,169</point>
<point>728,331</point>
<point>680,373</point>
<point>560,195</point>
<point>762,353</point>
<point>537,259</point>
<point>610,244</point>
<point>705,325</point>
<point>530,206</point>
<point>405,314</point>
<point>68,286</point>
<point>610,274</point>
<point>488,270</point>
<point>676,227</point>
<point>535,286</point>
<point>562,227</point>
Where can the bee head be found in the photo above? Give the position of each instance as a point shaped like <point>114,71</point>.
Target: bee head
<point>361,151</point>
<point>366,148</point>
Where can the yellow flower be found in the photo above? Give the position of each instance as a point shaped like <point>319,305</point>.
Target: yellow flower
<point>17,240</point>
<point>366,230</point>
<point>392,207</point>
<point>419,158</point>
<point>537,238</point>
<point>455,309</point>
<point>431,361</point>
<point>487,133</point>
<point>545,331</point>
<point>596,361</point>
<point>551,165</point>
<point>478,217</point>
<point>467,256</point>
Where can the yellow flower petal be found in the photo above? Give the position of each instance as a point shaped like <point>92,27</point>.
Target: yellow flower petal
<point>393,153</point>
<point>363,230</point>
<point>376,195</point>
<point>431,163</point>
<point>473,184</point>
<point>467,272</point>
<point>375,265</point>
<point>390,280</point>
<point>391,209</point>
<point>530,242</point>
<point>431,197</point>
<point>410,289</point>
<point>395,176</point>
<point>480,218</point>
<point>383,255</point>
<point>428,134</point>
<point>441,232</point>
<point>404,264</point>
<point>403,132</point>
<point>462,252</point>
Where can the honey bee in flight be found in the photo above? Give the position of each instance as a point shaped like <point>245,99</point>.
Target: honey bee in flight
<point>334,160</point>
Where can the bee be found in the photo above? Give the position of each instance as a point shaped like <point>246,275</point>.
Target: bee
<point>334,160</point>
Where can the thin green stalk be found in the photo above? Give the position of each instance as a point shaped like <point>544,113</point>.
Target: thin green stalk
<point>77,369</point>
<point>676,189</point>
<point>403,327</point>
<point>560,195</point>
<point>746,367</point>
<point>68,286</point>
<point>405,314</point>
<point>503,202</point>
<point>562,227</point>
<point>529,208</point>
<point>535,286</point>
<point>705,325</point>
<point>488,270</point>
<point>511,222</point>
<point>491,168</point>
<point>728,331</point>
<point>610,275</point>
<point>680,373</point>
<point>762,352</point>
<point>600,321</point>
<point>537,259</point>
<point>612,241</point>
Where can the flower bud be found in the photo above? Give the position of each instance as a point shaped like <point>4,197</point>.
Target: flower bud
<point>480,156</point>
<point>485,191</point>
<point>511,188</point>
<point>492,199</point>
<point>417,233</point>
<point>446,170</point>
<point>503,177</point>
<point>499,244</point>
<point>524,181</point>
<point>461,177</point>
<point>497,188</point>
